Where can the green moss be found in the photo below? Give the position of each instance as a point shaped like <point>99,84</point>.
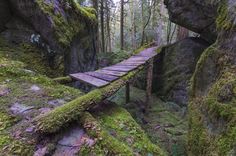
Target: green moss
<point>218,105</point>
<point>57,118</point>
<point>165,128</point>
<point>67,28</point>
<point>31,56</point>
<point>63,80</point>
<point>18,81</point>
<point>94,150</point>
<point>223,21</point>
<point>104,139</point>
<point>5,121</point>
<point>199,141</point>
<point>13,147</point>
<point>211,109</point>
<point>87,12</point>
<point>208,53</point>
<point>160,49</point>
<point>126,130</point>
<point>227,141</point>
<point>8,145</point>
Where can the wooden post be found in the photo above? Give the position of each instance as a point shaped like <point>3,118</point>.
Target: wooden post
<point>149,83</point>
<point>127,93</point>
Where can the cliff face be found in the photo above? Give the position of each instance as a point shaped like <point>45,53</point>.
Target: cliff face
<point>62,29</point>
<point>212,109</point>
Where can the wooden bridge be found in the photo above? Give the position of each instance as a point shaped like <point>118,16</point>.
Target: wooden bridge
<point>107,75</point>
<point>107,81</point>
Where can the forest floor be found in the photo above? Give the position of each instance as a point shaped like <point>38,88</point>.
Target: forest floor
<point>165,122</point>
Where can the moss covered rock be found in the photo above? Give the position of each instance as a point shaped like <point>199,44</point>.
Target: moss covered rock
<point>174,68</point>
<point>212,109</point>
<point>64,30</point>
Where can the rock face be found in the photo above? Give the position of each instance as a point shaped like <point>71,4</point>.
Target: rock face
<point>196,15</point>
<point>61,28</point>
<point>212,109</point>
<point>175,67</point>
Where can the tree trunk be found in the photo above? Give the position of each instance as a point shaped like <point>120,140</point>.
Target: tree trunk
<point>95,5</point>
<point>102,27</point>
<point>159,28</point>
<point>122,24</point>
<point>149,83</point>
<point>133,31</point>
<point>142,17</point>
<point>108,27</point>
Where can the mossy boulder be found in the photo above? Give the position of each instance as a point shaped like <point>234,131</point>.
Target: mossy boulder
<point>212,109</point>
<point>196,15</point>
<point>64,30</point>
<point>174,68</point>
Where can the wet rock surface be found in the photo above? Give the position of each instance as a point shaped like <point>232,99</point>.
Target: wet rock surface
<point>70,143</point>
<point>20,109</point>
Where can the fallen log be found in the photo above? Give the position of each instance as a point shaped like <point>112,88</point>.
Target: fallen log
<point>52,121</point>
<point>104,139</point>
<point>63,80</point>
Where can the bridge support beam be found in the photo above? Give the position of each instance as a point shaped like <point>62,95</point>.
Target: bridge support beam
<point>149,83</point>
<point>127,92</point>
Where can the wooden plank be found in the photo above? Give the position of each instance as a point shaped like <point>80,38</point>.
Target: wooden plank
<point>120,69</point>
<point>89,79</point>
<point>134,62</point>
<point>142,55</point>
<point>125,66</point>
<point>102,76</point>
<point>131,63</point>
<point>113,73</point>
<point>135,58</point>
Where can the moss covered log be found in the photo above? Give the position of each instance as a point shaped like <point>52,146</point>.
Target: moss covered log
<point>63,80</point>
<point>54,120</point>
<point>104,139</point>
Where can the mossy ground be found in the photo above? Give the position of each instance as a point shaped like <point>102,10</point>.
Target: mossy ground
<point>31,56</point>
<point>164,125</point>
<point>129,138</point>
<point>15,82</point>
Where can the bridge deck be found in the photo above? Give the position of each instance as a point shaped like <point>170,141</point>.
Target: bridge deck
<point>106,75</point>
